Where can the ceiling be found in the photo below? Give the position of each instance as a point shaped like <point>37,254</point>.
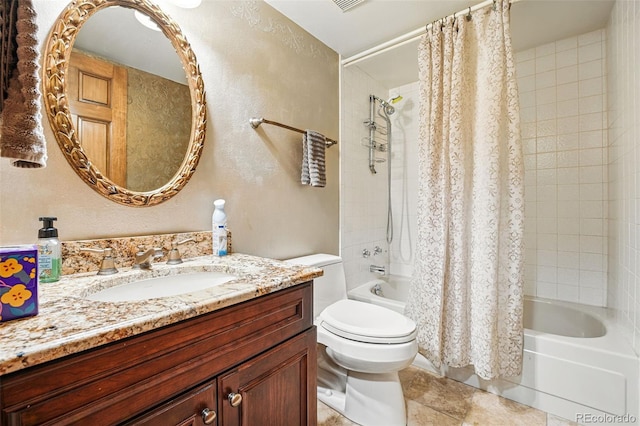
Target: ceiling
<point>373,22</point>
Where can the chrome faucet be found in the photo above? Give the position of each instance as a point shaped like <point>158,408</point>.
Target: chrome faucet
<point>143,258</point>
<point>380,270</point>
<point>107,266</point>
<point>174,255</point>
<point>377,290</point>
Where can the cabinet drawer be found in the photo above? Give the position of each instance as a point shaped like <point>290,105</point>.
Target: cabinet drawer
<point>122,379</point>
<point>195,408</point>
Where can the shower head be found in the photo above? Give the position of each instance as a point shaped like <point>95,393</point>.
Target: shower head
<point>388,104</point>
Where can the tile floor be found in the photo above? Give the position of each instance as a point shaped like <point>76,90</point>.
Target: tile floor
<point>432,400</point>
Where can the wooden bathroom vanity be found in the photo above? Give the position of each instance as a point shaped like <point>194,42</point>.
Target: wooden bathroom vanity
<point>250,363</point>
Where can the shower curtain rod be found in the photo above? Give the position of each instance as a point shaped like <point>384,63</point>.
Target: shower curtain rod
<point>406,38</point>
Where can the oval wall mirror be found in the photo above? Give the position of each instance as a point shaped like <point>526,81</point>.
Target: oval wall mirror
<point>128,111</point>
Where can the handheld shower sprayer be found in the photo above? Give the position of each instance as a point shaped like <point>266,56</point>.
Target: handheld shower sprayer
<point>386,109</point>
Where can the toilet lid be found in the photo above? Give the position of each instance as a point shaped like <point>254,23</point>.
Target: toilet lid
<point>365,322</point>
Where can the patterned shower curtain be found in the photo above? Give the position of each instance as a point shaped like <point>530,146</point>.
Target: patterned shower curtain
<point>467,288</point>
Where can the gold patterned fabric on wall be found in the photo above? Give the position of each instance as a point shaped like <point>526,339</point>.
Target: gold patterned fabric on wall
<point>158,129</point>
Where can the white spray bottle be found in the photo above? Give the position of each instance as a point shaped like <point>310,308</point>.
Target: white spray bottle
<point>219,224</point>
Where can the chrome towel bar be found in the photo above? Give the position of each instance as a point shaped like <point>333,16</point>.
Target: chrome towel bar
<point>256,122</point>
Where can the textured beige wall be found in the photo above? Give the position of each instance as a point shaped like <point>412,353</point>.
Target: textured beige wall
<point>255,62</point>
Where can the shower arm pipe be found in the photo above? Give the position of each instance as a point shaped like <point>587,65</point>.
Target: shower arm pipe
<point>406,38</point>
<point>256,122</point>
<point>383,104</point>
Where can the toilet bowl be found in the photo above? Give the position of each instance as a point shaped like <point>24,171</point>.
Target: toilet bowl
<point>361,349</point>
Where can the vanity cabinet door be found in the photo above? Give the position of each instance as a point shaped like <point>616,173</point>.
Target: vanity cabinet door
<point>277,388</point>
<point>194,408</point>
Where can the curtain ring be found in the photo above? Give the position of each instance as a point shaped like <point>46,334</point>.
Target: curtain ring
<point>468,16</point>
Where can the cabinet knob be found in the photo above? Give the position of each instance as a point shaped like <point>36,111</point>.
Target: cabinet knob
<point>208,416</point>
<point>234,399</point>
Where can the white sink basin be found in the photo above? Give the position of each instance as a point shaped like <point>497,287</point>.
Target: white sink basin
<point>167,286</point>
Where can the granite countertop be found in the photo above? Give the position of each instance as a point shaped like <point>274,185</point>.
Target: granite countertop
<point>68,322</point>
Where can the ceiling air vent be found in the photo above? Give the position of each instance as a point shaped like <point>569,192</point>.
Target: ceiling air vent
<point>347,4</point>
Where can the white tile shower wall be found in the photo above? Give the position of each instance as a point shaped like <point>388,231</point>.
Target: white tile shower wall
<point>623,65</point>
<point>563,122</point>
<point>363,204</point>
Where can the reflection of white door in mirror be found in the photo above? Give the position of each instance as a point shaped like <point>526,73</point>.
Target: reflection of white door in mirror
<point>98,100</point>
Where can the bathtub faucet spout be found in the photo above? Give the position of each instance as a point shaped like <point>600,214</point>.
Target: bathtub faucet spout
<point>380,270</point>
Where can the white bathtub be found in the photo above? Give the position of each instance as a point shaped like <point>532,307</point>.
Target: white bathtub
<point>577,364</point>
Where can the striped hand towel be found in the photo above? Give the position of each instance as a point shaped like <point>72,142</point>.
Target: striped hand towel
<point>313,166</point>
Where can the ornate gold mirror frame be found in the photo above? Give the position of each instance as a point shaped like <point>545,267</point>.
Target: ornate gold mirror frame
<point>56,62</point>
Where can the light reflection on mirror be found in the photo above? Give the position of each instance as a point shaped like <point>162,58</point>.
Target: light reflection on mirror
<point>146,21</point>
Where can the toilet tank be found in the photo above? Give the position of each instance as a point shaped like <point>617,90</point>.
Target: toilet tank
<point>330,287</point>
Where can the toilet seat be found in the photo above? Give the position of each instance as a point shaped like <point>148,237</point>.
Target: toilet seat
<point>368,323</point>
<point>367,357</point>
<point>362,348</point>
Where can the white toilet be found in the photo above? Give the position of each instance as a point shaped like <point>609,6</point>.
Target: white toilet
<point>362,348</point>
